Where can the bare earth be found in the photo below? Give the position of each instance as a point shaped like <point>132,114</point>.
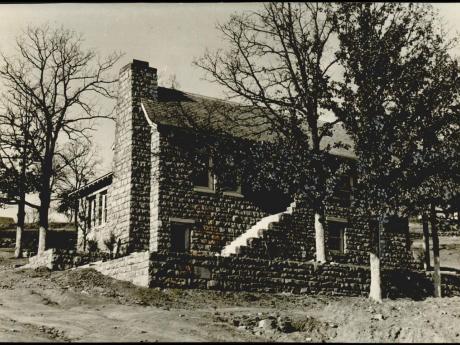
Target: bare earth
<point>82,305</point>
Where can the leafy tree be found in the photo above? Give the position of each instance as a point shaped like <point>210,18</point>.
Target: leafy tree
<point>386,51</point>
<point>61,79</point>
<point>278,63</point>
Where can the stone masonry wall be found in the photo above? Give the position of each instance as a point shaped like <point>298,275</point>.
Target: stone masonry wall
<point>44,259</point>
<point>129,194</point>
<point>218,218</point>
<point>221,218</point>
<point>181,270</point>
<point>133,268</point>
<point>155,223</point>
<point>260,275</point>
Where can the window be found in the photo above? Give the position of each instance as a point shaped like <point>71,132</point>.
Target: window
<point>336,236</point>
<point>343,191</point>
<point>104,196</point>
<point>180,237</point>
<point>91,212</point>
<point>231,181</point>
<point>102,211</point>
<point>395,224</point>
<point>231,184</point>
<point>94,214</point>
<point>99,210</point>
<point>202,176</point>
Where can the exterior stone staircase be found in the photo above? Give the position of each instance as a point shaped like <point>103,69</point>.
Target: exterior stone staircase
<point>256,231</point>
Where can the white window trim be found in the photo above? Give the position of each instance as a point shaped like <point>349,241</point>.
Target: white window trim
<point>181,220</point>
<point>336,219</point>
<point>236,193</point>
<point>96,195</point>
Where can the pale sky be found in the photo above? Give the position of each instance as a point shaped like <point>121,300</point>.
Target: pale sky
<point>168,36</point>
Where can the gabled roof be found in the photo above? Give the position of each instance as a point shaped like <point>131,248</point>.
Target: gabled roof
<point>188,110</point>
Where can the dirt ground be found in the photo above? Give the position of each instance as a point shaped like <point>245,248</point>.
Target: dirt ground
<point>83,305</point>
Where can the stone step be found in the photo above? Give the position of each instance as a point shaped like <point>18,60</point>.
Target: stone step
<point>257,230</point>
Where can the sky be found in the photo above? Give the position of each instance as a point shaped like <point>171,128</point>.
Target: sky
<point>168,36</point>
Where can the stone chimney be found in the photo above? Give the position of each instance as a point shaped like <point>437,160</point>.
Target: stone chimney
<point>129,194</point>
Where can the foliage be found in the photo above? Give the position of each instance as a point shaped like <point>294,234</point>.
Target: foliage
<point>389,52</point>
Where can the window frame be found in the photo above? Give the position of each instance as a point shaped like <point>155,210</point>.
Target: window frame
<point>186,224</point>
<point>211,187</point>
<point>237,192</point>
<point>97,207</point>
<point>349,191</point>
<point>343,223</point>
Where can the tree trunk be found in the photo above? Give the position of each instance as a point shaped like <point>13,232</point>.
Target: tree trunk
<point>319,237</point>
<point>375,292</point>
<point>43,221</point>
<point>20,229</point>
<point>426,242</point>
<point>436,258</point>
<point>21,208</point>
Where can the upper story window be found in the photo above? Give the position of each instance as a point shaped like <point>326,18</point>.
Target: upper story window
<point>231,183</point>
<point>202,176</point>
<point>343,191</point>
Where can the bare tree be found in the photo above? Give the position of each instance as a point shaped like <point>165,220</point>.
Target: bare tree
<point>280,64</point>
<point>17,165</point>
<point>81,164</point>
<point>62,80</point>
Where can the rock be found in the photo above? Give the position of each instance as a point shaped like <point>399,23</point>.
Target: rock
<point>285,325</point>
<point>267,324</point>
<point>378,317</point>
<point>241,328</point>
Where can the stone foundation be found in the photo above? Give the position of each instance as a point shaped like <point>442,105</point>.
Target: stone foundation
<point>235,273</point>
<point>133,268</point>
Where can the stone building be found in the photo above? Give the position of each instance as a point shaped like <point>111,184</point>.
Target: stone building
<point>155,200</point>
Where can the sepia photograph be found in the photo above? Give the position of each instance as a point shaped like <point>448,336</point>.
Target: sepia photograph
<point>230,172</point>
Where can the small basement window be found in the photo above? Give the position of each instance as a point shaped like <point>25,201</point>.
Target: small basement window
<point>180,237</point>
<point>336,236</point>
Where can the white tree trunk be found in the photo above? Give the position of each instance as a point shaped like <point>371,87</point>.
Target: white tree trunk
<point>41,239</point>
<point>319,237</point>
<point>375,290</point>
<point>437,276</point>
<point>426,242</point>
<point>18,248</point>
<point>436,257</point>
